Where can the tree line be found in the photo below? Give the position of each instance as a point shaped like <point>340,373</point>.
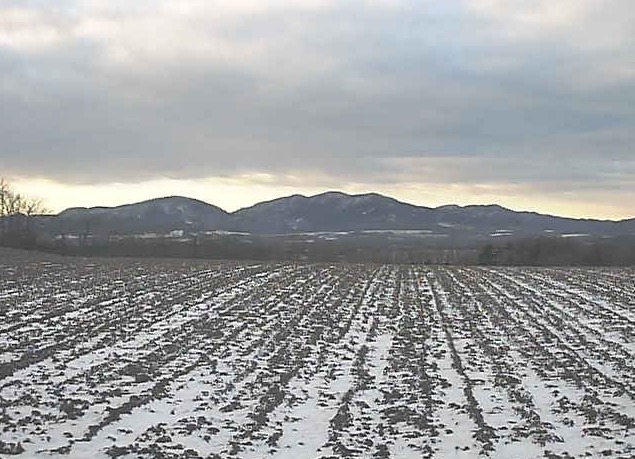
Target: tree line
<point>536,251</point>
<point>554,250</point>
<point>254,247</point>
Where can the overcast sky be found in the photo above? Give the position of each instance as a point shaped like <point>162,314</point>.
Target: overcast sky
<point>529,104</point>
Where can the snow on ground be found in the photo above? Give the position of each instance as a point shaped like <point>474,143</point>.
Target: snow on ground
<point>146,359</point>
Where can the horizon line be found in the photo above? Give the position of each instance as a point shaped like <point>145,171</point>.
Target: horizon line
<point>332,191</point>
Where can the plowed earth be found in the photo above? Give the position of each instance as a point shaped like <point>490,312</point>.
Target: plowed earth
<point>168,359</point>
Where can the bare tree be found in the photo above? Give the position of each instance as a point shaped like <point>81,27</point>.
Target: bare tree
<point>4,191</point>
<point>16,210</point>
<point>12,202</point>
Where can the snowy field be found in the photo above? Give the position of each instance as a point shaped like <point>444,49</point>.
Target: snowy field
<point>153,359</point>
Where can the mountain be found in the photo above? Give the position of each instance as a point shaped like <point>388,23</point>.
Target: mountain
<point>160,215</point>
<point>331,211</point>
<point>327,212</point>
<point>497,219</point>
<point>335,211</point>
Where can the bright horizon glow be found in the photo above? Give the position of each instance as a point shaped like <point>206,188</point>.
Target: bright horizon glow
<point>233,193</point>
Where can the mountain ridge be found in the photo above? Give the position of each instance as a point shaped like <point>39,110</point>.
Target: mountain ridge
<point>330,211</point>
<point>373,194</point>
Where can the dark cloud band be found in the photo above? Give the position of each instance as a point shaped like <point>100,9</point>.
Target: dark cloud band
<point>373,92</point>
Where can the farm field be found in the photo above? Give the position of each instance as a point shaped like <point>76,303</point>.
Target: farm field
<point>190,359</point>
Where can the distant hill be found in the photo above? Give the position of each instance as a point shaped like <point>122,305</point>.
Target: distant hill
<point>326,212</point>
<point>331,211</point>
<point>154,216</point>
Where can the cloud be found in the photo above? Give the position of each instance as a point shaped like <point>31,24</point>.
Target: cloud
<point>28,30</point>
<point>377,92</point>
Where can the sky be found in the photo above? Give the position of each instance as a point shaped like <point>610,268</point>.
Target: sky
<point>529,104</point>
